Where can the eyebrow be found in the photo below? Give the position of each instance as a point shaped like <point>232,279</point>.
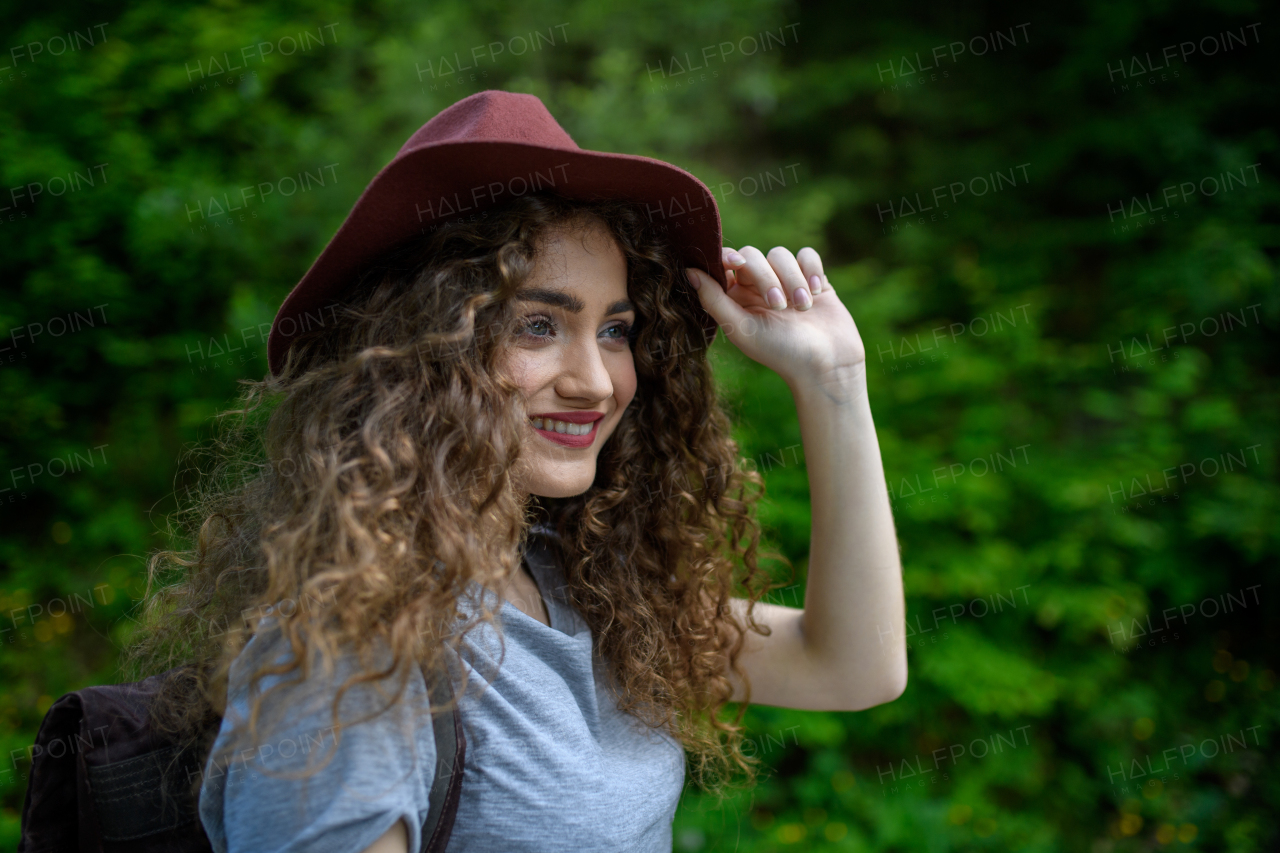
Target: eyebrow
<point>568,302</point>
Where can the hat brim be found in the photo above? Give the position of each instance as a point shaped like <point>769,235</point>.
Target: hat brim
<point>443,181</point>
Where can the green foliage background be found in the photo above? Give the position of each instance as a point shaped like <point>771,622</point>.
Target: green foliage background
<point>1063,532</point>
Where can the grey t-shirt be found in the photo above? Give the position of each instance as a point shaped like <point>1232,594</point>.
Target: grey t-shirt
<point>551,763</point>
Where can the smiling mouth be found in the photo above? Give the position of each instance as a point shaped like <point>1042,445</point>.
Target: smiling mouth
<point>566,434</point>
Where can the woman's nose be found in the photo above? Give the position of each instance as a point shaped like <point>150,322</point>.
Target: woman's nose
<point>584,373</point>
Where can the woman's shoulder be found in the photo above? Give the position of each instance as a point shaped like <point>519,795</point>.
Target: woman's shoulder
<point>332,692</point>
<point>314,768</point>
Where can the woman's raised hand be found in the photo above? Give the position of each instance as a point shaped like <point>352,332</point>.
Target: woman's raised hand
<point>781,311</point>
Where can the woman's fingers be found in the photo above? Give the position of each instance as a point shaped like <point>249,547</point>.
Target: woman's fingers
<point>756,273</point>
<point>787,268</point>
<point>731,261</point>
<point>719,304</point>
<point>780,279</point>
<point>811,265</point>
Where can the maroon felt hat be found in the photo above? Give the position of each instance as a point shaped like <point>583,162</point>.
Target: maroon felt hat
<point>486,149</point>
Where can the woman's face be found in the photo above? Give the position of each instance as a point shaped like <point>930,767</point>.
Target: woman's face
<point>572,359</point>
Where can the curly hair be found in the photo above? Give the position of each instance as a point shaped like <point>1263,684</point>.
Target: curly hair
<point>360,472</point>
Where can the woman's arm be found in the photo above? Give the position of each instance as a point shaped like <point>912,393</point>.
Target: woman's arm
<point>394,840</point>
<point>845,650</point>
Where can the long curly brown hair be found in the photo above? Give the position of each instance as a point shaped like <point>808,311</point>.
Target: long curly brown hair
<point>350,486</point>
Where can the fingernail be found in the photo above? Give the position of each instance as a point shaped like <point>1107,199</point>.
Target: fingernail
<point>815,283</point>
<point>735,259</point>
<point>802,300</point>
<point>775,298</point>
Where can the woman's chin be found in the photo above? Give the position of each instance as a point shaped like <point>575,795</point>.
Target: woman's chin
<point>567,480</point>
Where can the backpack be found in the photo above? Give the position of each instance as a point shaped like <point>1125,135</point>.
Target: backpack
<point>102,781</point>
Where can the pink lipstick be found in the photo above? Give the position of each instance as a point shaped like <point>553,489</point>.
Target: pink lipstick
<point>564,439</point>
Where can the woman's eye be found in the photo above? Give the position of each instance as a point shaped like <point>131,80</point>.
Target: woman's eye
<point>532,323</point>
<point>621,332</point>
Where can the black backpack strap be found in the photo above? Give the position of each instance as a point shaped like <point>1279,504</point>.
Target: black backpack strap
<point>54,797</point>
<point>451,750</point>
<point>146,796</point>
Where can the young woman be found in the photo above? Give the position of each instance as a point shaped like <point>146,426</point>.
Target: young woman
<point>531,379</point>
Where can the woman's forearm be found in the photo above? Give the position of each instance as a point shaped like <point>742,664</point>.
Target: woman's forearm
<point>854,598</point>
